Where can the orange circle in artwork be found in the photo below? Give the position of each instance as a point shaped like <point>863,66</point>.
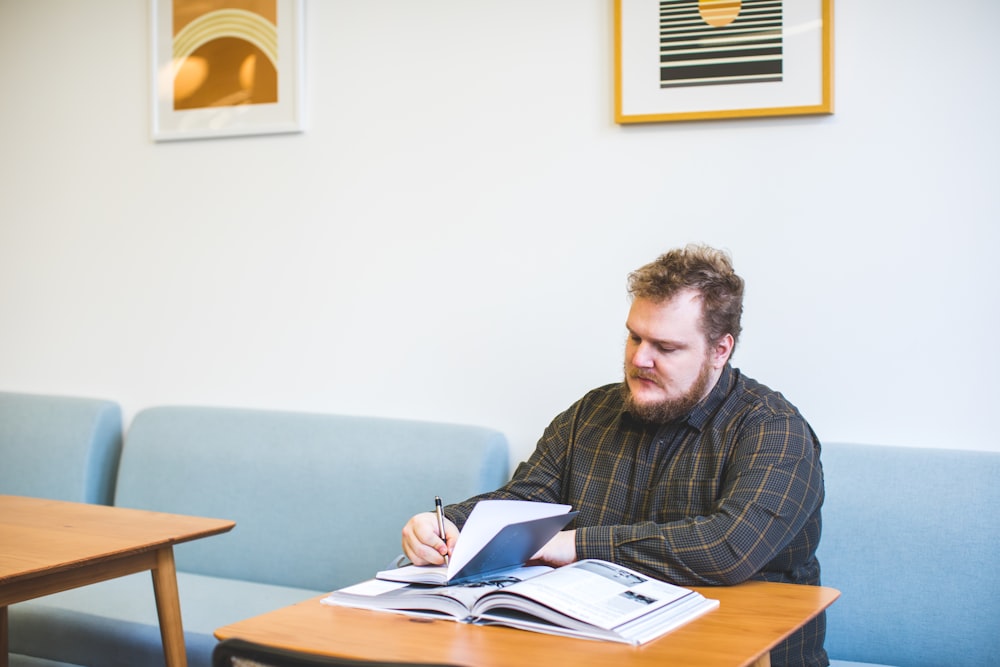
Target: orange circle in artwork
<point>718,13</point>
<point>225,72</point>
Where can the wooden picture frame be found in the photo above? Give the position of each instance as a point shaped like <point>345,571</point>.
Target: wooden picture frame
<point>678,60</point>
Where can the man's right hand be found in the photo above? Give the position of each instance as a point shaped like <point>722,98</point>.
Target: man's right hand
<point>421,542</point>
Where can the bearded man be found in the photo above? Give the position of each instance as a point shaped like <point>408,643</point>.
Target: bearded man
<point>687,470</point>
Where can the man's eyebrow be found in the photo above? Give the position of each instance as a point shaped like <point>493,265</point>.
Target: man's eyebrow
<point>657,341</point>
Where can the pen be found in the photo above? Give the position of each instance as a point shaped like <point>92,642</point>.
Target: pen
<point>440,516</point>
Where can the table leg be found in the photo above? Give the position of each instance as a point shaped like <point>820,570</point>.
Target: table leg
<point>4,642</point>
<point>168,608</point>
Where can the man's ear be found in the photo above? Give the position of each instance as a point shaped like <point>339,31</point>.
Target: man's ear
<point>721,351</point>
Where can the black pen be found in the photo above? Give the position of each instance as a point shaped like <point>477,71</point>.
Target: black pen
<point>440,516</point>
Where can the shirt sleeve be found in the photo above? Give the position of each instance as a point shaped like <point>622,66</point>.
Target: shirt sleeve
<point>538,479</point>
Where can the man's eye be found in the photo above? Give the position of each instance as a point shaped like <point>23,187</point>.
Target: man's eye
<point>666,350</point>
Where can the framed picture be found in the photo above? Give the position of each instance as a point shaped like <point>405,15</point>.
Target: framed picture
<point>704,59</point>
<point>226,68</point>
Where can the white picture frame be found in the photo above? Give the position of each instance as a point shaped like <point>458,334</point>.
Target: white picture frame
<point>273,35</point>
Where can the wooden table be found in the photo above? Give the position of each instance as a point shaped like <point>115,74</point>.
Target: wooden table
<point>47,546</point>
<point>752,618</point>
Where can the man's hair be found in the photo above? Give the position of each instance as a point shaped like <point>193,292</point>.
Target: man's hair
<point>706,270</point>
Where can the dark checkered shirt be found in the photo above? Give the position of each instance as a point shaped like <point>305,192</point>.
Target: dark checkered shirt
<point>731,493</point>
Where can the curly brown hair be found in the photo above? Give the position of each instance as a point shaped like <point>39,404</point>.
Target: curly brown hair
<point>708,271</point>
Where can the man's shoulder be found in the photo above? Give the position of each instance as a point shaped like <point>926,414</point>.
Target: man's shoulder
<point>749,394</point>
<point>600,407</point>
<point>765,415</point>
<point>612,390</point>
<point>605,397</point>
<point>606,401</point>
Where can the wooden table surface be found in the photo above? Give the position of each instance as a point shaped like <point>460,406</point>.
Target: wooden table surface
<point>47,546</point>
<point>751,619</point>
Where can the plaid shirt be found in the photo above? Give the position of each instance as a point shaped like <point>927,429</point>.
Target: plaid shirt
<point>731,493</point>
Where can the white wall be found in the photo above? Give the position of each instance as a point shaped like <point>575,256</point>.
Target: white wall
<point>449,239</point>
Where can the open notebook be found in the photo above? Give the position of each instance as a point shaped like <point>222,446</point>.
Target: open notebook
<point>499,535</point>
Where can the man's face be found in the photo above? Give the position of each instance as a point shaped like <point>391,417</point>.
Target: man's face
<point>669,366</point>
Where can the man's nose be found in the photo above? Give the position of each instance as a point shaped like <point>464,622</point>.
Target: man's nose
<point>642,356</point>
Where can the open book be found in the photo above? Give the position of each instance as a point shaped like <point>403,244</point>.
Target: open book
<point>592,599</point>
<point>499,535</point>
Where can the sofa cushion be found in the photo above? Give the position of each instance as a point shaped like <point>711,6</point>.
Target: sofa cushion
<point>319,500</point>
<point>114,623</point>
<point>910,539</point>
<point>18,660</point>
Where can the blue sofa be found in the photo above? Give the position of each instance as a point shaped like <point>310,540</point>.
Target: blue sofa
<point>909,534</point>
<point>910,538</point>
<point>318,500</point>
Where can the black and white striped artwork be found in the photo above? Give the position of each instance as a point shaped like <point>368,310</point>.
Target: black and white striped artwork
<point>711,42</point>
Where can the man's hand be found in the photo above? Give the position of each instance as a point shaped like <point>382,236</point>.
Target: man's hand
<point>559,551</point>
<point>421,542</point>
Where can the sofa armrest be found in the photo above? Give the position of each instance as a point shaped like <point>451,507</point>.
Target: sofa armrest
<point>59,447</point>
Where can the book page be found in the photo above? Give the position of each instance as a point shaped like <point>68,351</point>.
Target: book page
<point>600,593</point>
<point>416,574</point>
<point>372,587</point>
<point>400,597</point>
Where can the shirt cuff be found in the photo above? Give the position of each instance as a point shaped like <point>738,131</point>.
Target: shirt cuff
<point>595,542</point>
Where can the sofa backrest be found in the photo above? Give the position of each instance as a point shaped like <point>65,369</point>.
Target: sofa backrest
<point>911,538</point>
<point>59,447</point>
<point>319,500</point>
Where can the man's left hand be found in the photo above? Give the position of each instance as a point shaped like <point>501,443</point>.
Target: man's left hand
<point>560,550</point>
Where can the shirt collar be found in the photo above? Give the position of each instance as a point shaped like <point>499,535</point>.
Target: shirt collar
<point>702,412</point>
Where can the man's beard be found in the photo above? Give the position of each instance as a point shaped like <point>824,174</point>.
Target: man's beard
<point>668,409</point>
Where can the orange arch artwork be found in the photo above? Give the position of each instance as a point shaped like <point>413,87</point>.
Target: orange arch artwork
<point>225,53</point>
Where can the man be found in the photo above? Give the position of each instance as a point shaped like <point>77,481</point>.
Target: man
<point>687,470</point>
